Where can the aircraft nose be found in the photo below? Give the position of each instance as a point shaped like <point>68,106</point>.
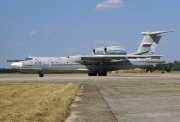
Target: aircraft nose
<point>16,65</point>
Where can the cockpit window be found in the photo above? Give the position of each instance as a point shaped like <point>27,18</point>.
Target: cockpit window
<point>29,58</point>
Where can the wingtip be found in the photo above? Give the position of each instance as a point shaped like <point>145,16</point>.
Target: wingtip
<point>172,31</point>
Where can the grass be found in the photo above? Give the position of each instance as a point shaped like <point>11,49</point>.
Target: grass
<point>47,102</point>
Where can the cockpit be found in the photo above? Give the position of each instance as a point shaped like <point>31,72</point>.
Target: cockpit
<point>29,58</point>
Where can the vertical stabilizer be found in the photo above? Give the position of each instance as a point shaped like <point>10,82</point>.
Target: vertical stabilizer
<point>149,42</point>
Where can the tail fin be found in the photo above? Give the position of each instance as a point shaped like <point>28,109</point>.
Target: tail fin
<point>149,42</point>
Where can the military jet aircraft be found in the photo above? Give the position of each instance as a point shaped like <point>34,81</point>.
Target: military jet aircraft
<point>104,59</point>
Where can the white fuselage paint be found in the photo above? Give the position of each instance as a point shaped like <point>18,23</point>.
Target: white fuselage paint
<point>75,64</point>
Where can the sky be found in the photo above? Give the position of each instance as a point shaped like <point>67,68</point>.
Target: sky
<point>56,28</point>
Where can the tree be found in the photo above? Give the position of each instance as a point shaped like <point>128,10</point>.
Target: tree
<point>176,66</point>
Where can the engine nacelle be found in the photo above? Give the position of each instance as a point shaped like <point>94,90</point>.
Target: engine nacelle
<point>99,51</point>
<point>112,50</point>
<point>115,50</point>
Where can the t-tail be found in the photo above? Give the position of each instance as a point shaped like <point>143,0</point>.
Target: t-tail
<point>149,42</point>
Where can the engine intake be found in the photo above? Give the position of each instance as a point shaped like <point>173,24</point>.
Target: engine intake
<point>98,51</point>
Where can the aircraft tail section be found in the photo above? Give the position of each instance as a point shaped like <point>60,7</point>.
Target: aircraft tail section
<point>149,42</point>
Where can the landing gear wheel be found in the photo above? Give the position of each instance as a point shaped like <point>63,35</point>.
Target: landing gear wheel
<point>102,74</point>
<point>92,74</point>
<point>41,75</point>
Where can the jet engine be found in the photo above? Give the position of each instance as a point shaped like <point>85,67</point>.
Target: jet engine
<point>99,51</point>
<point>112,50</point>
<point>115,50</point>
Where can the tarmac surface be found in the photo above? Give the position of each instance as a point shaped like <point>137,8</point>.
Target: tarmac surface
<point>118,98</point>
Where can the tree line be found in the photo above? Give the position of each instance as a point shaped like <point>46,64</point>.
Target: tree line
<point>171,66</point>
<point>4,70</point>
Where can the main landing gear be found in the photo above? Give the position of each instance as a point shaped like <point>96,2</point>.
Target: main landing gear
<point>99,74</point>
<point>92,74</point>
<point>102,73</point>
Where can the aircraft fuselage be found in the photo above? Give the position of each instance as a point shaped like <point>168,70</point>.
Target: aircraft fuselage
<point>75,64</point>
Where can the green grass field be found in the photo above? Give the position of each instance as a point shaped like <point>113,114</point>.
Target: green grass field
<point>49,102</point>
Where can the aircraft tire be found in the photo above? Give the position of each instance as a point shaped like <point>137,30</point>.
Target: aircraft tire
<point>102,74</point>
<point>41,75</point>
<point>92,74</point>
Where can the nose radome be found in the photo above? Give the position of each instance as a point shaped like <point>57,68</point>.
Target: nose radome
<point>16,65</point>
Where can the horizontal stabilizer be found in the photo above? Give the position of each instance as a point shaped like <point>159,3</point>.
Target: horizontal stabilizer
<point>156,33</point>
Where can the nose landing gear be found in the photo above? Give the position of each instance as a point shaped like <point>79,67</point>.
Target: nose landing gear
<point>41,75</point>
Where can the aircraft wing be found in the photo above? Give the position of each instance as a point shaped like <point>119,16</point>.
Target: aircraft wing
<point>116,58</point>
<point>14,60</point>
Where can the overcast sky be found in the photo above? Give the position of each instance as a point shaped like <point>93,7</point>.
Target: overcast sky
<point>74,27</point>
